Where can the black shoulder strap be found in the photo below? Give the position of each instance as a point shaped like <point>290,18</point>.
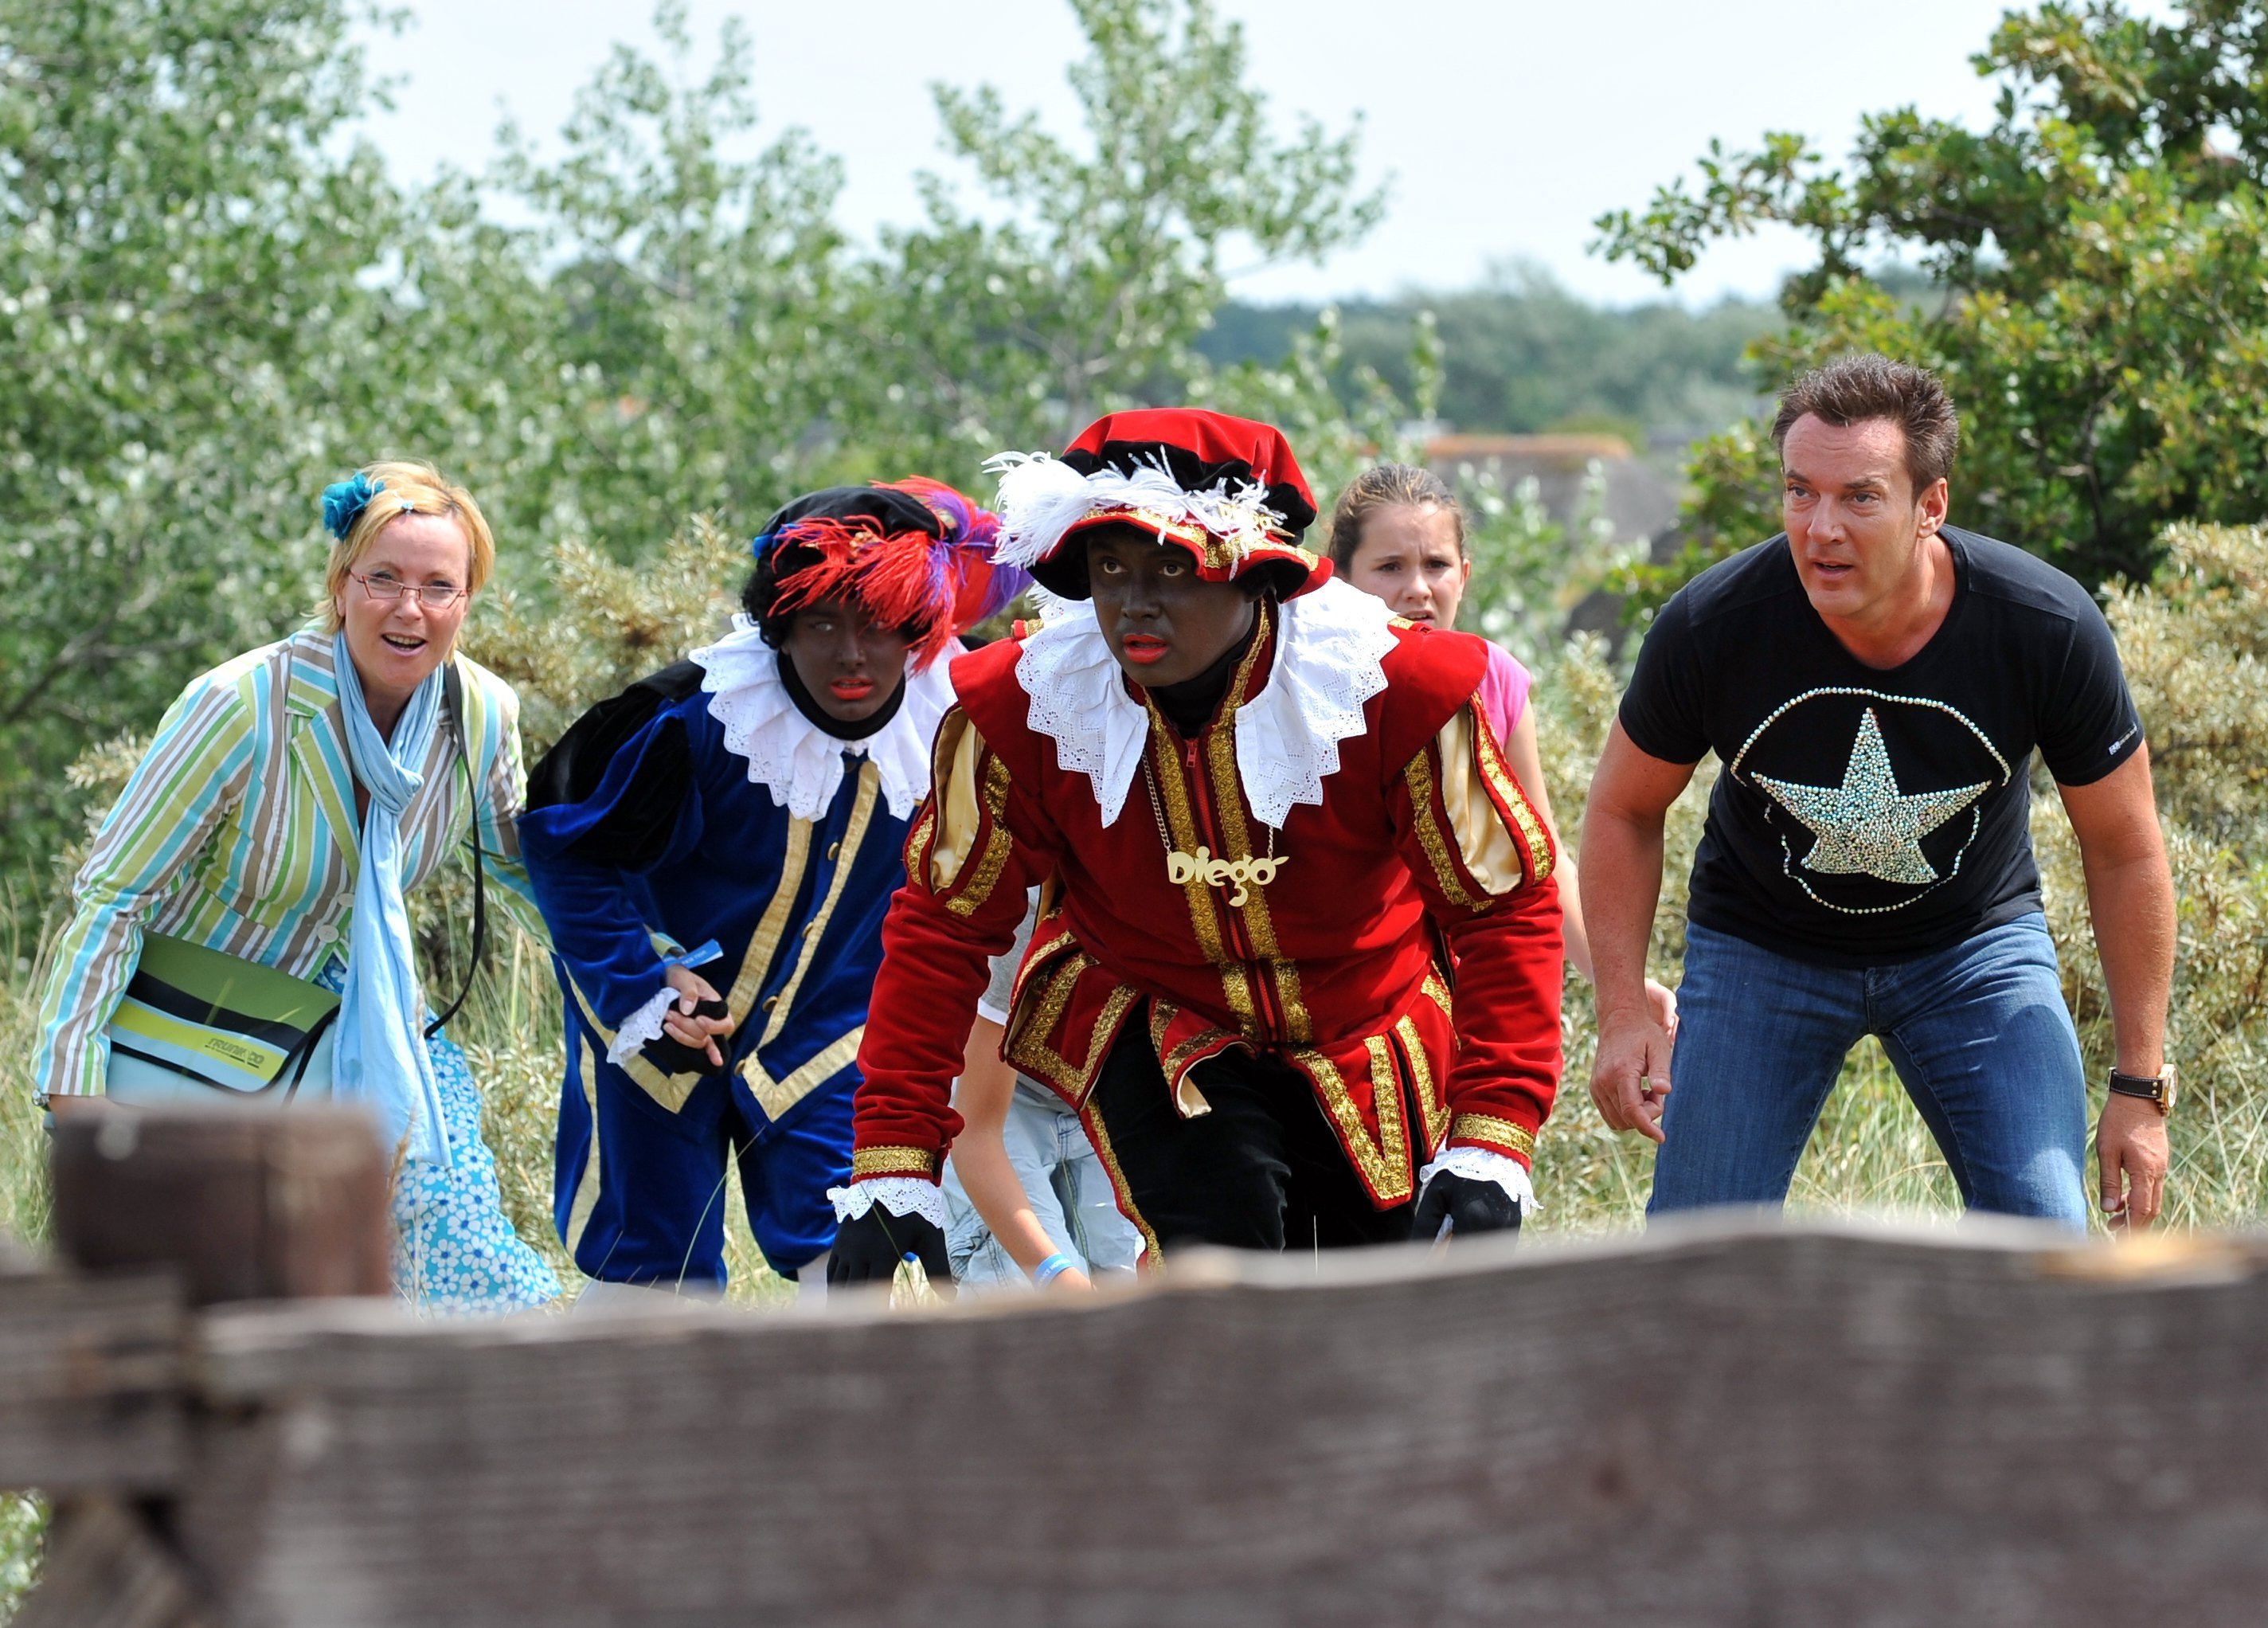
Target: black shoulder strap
<point>453,694</point>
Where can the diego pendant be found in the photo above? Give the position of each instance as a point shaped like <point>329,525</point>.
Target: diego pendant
<point>1241,874</point>
<point>1252,871</point>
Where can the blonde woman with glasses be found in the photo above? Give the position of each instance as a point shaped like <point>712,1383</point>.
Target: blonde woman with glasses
<point>291,799</point>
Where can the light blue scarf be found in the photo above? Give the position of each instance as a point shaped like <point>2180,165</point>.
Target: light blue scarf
<point>379,1055</point>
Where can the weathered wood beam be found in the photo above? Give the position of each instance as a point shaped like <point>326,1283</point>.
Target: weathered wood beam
<point>103,1569</point>
<point>218,1205</point>
<point>93,1394</point>
<point>1721,1424</point>
<point>248,1203</point>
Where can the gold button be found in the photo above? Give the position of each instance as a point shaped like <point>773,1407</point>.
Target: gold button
<point>770,1001</point>
<point>833,849</point>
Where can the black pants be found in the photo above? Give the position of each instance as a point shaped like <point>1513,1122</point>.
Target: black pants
<point>1263,1170</point>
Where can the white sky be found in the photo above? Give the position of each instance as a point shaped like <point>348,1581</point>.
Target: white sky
<point>1506,127</point>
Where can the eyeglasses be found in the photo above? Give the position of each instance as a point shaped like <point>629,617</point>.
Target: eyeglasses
<point>386,590</point>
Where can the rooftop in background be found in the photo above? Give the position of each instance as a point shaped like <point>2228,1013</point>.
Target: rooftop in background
<point>1575,450</point>
<point>1638,501</point>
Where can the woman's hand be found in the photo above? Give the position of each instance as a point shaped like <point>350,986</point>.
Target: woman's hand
<point>680,1023</point>
<point>980,1153</point>
<point>1661,1001</point>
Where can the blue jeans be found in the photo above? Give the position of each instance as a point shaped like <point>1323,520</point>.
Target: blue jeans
<point>1979,1034</point>
<point>1070,1193</point>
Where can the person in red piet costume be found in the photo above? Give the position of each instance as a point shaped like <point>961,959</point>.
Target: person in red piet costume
<point>1298,957</point>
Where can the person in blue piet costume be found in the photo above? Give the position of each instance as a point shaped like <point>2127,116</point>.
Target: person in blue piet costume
<point>714,849</point>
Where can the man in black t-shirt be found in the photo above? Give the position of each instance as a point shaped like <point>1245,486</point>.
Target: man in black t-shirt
<point>1874,682</point>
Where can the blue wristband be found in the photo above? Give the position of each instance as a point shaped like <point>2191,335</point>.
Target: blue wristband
<point>1048,1271</point>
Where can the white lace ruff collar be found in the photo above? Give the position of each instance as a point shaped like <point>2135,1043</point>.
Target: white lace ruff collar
<point>1329,648</point>
<point>799,764</point>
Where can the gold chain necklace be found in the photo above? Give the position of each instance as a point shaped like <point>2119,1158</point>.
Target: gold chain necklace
<point>1241,874</point>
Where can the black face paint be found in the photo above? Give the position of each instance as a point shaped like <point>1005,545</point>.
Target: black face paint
<point>1164,624</point>
<point>1192,703</point>
<point>808,703</point>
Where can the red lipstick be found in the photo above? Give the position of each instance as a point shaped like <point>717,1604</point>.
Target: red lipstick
<point>1144,647</point>
<point>851,689</point>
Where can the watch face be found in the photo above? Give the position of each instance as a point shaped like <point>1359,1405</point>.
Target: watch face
<point>2166,1087</point>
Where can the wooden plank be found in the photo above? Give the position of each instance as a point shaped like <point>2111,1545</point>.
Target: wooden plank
<point>105,1568</point>
<point>1713,1425</point>
<point>92,1400</point>
<point>248,1203</point>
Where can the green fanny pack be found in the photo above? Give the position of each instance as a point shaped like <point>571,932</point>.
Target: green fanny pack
<point>201,1024</point>
<point>196,1021</point>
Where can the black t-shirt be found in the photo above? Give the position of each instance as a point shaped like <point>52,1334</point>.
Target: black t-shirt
<point>1868,816</point>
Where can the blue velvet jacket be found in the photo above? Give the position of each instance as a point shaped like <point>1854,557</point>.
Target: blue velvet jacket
<point>644,834</point>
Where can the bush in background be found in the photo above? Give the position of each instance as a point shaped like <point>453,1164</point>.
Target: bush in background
<point>2194,643</point>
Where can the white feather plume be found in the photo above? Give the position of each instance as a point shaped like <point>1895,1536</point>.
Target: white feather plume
<point>1041,497</point>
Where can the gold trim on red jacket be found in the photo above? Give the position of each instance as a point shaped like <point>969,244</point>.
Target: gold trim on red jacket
<point>1068,1008</point>
<point>1424,867</point>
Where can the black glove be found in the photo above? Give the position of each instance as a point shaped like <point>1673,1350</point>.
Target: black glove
<point>869,1247</point>
<point>674,1056</point>
<point>1469,1207</point>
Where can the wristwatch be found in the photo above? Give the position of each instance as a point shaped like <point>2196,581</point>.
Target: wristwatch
<point>2159,1091</point>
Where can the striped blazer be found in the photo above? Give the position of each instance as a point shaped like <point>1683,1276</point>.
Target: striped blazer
<point>238,831</point>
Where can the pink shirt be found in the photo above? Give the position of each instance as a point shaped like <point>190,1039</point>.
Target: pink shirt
<point>1504,694</point>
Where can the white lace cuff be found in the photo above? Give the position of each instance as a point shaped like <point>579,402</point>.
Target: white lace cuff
<point>1483,1164</point>
<point>899,1195</point>
<point>641,1026</point>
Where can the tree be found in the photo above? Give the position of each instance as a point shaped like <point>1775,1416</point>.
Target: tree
<point>182,233</point>
<point>212,304</point>
<point>701,350</point>
<point>1522,353</point>
<point>2100,258</point>
<point>1103,265</point>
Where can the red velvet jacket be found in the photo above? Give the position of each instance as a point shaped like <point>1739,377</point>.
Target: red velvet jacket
<point>1422,839</point>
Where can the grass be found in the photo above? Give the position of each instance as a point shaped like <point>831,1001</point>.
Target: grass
<point>1872,1155</point>
<point>23,1201</point>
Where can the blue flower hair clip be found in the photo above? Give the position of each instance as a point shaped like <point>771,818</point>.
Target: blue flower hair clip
<point>344,502</point>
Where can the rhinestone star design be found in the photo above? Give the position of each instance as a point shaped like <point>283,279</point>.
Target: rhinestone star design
<point>1865,825</point>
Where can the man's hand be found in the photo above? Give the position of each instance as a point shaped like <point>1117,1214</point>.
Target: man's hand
<point>1630,795</point>
<point>869,1247</point>
<point>2130,900</point>
<point>1630,1077</point>
<point>2131,1153</point>
<point>687,1027</point>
